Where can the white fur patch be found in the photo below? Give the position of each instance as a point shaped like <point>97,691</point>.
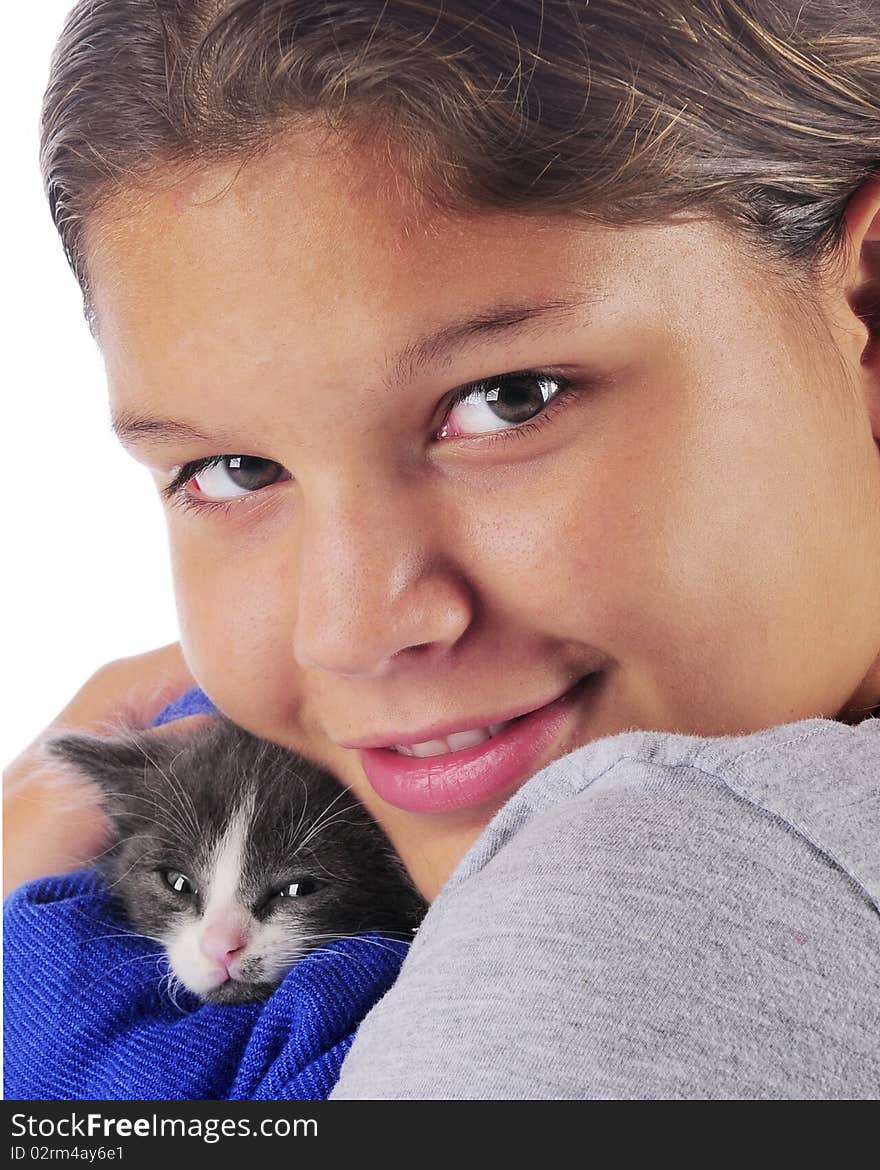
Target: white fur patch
<point>220,904</point>
<point>227,863</point>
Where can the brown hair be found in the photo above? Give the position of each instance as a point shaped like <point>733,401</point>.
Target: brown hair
<point>762,113</point>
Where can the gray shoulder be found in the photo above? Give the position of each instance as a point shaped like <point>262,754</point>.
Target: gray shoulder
<point>662,920</point>
<point>817,778</point>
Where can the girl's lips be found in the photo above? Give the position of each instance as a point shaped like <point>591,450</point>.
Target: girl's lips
<point>473,775</point>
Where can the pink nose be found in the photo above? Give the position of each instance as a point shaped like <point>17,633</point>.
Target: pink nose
<point>222,941</point>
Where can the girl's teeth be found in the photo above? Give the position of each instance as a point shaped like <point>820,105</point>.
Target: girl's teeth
<point>466,739</point>
<point>452,743</point>
<point>431,747</point>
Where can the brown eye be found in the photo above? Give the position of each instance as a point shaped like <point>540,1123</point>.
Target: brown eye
<point>236,475</point>
<point>501,403</point>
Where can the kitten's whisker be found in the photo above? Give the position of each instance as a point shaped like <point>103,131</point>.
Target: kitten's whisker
<point>123,934</point>
<point>186,803</point>
<point>111,885</point>
<point>167,841</point>
<point>291,836</point>
<point>103,922</point>
<point>162,990</point>
<point>175,986</point>
<point>327,821</point>
<point>341,878</point>
<point>339,937</point>
<point>374,942</point>
<point>323,954</point>
<point>172,984</point>
<point>136,959</point>
<point>113,845</point>
<point>316,827</point>
<point>334,934</point>
<point>326,818</point>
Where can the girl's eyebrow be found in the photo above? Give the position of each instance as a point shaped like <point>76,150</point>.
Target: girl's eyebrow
<point>133,429</point>
<point>463,333</point>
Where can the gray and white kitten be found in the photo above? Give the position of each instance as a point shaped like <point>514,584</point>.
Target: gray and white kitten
<point>238,856</point>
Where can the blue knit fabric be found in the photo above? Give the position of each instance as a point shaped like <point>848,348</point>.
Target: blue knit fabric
<point>88,1017</point>
<point>192,702</point>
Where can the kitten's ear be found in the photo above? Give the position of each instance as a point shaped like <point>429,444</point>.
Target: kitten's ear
<point>117,764</point>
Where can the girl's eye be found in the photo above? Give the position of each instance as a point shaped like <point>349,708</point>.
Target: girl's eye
<point>178,882</point>
<point>501,403</point>
<point>221,478</point>
<point>228,476</point>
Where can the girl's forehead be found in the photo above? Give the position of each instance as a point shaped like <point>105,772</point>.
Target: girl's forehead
<point>295,191</point>
<point>334,202</point>
<point>305,239</point>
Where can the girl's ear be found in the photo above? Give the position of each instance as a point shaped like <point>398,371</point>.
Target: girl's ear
<point>862,219</point>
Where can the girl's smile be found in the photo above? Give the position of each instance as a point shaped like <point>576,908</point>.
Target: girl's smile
<point>426,472</point>
<point>456,769</point>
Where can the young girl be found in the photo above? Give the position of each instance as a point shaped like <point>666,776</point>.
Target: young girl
<point>511,376</point>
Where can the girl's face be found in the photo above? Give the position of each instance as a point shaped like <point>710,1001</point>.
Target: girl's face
<point>470,461</point>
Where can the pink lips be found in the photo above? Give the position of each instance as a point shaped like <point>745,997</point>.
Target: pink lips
<point>473,775</point>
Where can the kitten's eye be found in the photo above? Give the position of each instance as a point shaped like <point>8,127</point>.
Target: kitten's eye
<point>178,882</point>
<point>298,889</point>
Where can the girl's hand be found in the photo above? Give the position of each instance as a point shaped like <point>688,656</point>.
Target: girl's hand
<point>52,818</point>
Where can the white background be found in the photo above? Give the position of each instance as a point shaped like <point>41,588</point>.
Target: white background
<point>85,575</point>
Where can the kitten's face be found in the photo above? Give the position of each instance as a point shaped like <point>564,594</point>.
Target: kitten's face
<point>233,919</point>
<point>238,857</point>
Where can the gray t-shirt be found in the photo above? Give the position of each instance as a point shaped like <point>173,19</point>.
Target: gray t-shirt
<point>653,916</point>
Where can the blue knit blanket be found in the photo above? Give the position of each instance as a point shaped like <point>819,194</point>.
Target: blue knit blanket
<point>86,1016</point>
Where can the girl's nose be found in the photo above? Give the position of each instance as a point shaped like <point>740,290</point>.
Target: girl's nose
<point>374,581</point>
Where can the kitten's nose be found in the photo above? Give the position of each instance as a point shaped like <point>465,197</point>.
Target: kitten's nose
<point>222,941</point>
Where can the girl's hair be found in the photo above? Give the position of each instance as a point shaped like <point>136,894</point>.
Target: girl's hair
<point>762,114</point>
